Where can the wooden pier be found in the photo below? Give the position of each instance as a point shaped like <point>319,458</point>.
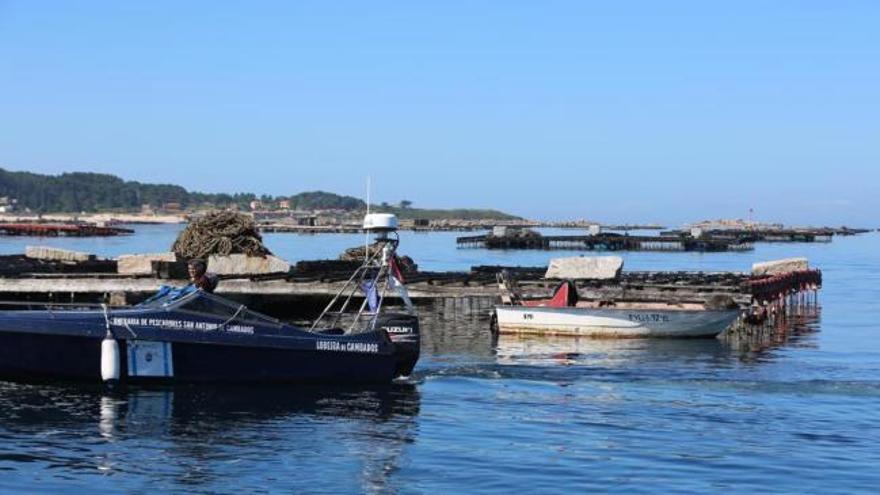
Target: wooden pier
<point>604,242</point>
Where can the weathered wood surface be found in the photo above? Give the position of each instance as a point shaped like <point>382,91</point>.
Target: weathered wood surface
<point>142,264</point>
<point>19,265</point>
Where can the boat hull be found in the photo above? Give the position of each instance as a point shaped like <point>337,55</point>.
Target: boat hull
<point>178,347</point>
<point>47,356</point>
<point>613,323</point>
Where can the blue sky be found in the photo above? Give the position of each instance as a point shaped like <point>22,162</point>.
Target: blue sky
<point>617,111</point>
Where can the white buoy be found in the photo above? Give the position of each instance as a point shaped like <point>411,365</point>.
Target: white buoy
<point>109,359</point>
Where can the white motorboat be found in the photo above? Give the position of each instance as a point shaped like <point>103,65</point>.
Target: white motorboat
<point>564,315</point>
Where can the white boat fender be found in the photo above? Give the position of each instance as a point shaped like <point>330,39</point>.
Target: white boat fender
<point>109,354</point>
<point>109,359</point>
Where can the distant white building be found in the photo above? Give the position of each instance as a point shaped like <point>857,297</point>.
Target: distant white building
<point>7,204</point>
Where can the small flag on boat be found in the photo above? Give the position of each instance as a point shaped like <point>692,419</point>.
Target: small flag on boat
<point>394,268</point>
<point>396,281</point>
<point>369,288</point>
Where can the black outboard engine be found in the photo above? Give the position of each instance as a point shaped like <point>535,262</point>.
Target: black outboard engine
<point>403,330</point>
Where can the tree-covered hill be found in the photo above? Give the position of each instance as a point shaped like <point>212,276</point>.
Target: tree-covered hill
<point>79,191</point>
<point>90,192</point>
<point>440,214</point>
<point>320,200</point>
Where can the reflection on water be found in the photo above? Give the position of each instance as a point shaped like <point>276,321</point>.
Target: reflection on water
<point>457,326</point>
<point>608,353</point>
<point>789,328</point>
<point>202,436</point>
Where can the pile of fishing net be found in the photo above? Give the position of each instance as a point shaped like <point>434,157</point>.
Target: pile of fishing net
<point>359,253</point>
<point>221,233</point>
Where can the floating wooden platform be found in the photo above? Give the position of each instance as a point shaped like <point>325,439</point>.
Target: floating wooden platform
<point>56,230</point>
<point>310,284</point>
<point>822,234</point>
<point>627,227</point>
<point>604,242</point>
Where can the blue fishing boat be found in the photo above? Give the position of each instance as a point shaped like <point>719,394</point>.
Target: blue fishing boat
<point>190,335</point>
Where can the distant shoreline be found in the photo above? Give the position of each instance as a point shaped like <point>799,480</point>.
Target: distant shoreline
<point>439,225</point>
<point>93,218</point>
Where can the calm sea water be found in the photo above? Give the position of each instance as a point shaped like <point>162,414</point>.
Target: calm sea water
<point>799,412</point>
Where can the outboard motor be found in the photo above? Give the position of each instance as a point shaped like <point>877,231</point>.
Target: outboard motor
<point>403,330</point>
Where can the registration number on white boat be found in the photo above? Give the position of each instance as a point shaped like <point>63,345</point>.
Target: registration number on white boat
<point>649,318</point>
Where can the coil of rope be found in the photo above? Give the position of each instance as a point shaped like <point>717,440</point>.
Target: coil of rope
<point>221,233</point>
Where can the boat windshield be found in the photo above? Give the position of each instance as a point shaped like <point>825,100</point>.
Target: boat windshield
<point>191,300</point>
<point>167,294</point>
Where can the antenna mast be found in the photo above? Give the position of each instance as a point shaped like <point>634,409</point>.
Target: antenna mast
<point>367,232</point>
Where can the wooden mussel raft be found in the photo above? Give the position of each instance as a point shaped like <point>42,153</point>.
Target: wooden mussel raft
<point>601,242</point>
<point>650,304</point>
<point>59,230</point>
<point>778,286</point>
<point>805,234</point>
